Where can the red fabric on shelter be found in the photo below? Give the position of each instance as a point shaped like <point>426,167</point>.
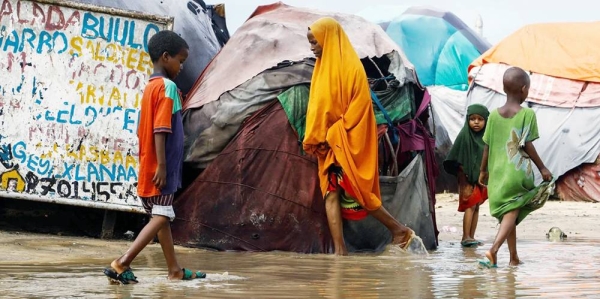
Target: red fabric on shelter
<point>260,194</point>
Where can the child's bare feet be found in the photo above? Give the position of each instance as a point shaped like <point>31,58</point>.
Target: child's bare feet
<point>468,239</point>
<point>340,249</point>
<point>514,262</point>
<point>491,261</point>
<point>117,266</point>
<point>492,257</point>
<point>119,273</point>
<point>177,275</point>
<point>184,274</point>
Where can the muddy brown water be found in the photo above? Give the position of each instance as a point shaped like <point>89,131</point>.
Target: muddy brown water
<point>565,269</point>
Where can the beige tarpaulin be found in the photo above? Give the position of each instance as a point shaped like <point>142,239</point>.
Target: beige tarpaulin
<point>563,50</point>
<point>275,33</point>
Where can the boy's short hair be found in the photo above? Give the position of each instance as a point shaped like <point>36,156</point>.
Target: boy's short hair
<point>514,79</point>
<point>165,41</point>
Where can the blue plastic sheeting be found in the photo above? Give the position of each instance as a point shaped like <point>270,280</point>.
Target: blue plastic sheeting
<point>438,44</point>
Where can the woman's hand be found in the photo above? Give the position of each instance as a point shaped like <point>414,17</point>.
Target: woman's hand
<point>320,150</point>
<point>324,146</point>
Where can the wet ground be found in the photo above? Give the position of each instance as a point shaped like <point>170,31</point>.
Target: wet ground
<point>52,266</point>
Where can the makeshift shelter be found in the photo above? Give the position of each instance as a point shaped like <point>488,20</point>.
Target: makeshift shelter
<point>258,191</point>
<point>441,47</point>
<point>193,21</point>
<point>439,44</point>
<point>273,34</point>
<point>565,94</point>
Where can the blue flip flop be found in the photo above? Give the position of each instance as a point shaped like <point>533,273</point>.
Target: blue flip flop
<point>187,274</point>
<point>126,277</point>
<point>487,264</point>
<point>469,243</point>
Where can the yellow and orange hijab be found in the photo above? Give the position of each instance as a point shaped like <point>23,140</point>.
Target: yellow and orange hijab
<point>340,113</point>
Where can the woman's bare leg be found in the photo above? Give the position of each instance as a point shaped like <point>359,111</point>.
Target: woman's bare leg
<point>401,234</point>
<point>334,218</point>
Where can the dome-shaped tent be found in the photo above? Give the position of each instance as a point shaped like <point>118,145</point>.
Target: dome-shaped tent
<point>244,119</point>
<point>439,44</point>
<point>441,47</point>
<point>562,60</point>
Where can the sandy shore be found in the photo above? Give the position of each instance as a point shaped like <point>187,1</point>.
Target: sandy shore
<point>577,220</point>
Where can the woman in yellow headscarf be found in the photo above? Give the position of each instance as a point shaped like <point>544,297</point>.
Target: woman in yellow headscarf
<point>341,131</point>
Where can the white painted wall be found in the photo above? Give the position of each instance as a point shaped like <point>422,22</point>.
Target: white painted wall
<point>70,91</point>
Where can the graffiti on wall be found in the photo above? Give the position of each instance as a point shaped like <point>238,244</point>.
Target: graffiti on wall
<point>72,82</point>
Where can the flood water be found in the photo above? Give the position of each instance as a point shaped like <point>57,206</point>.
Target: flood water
<point>565,269</point>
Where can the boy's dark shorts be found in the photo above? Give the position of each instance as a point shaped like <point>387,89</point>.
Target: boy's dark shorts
<point>159,205</point>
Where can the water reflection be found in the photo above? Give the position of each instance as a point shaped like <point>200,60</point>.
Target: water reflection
<point>559,270</point>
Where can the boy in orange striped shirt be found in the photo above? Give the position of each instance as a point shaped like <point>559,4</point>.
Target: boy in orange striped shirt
<point>160,135</point>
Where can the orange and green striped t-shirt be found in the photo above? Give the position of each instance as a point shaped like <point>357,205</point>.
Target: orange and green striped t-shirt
<point>160,113</point>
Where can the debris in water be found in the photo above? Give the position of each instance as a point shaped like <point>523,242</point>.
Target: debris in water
<point>556,234</point>
<point>416,246</point>
<point>129,235</point>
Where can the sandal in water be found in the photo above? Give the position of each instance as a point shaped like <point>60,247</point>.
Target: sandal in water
<point>126,277</point>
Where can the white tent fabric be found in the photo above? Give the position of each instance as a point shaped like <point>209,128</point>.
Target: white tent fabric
<point>449,108</point>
